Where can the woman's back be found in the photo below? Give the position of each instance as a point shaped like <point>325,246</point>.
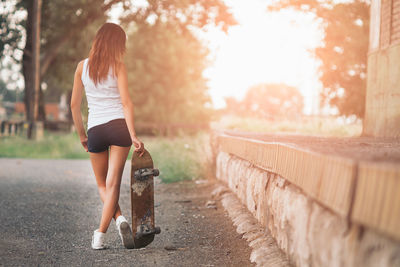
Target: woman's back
<point>104,100</point>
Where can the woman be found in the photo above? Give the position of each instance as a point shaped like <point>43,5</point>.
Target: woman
<point>111,130</point>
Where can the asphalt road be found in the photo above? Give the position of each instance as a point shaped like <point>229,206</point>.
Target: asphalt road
<point>49,209</point>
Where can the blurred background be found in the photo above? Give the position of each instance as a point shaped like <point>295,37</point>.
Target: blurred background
<point>193,65</point>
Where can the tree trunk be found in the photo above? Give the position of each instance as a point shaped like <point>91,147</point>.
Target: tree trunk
<point>27,66</point>
<point>37,10</point>
<point>51,53</point>
<point>47,58</point>
<point>42,110</point>
<point>30,68</point>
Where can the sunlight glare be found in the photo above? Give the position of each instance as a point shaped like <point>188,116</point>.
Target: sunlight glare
<point>266,47</point>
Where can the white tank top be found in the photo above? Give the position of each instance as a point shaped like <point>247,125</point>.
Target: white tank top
<point>104,100</point>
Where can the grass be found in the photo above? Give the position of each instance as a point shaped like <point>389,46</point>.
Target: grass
<point>53,146</point>
<point>180,158</point>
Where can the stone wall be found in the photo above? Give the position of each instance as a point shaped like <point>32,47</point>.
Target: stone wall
<point>309,233</point>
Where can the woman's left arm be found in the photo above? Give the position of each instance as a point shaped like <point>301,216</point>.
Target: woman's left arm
<point>76,101</point>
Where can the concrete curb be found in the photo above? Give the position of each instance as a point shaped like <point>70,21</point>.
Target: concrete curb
<point>265,251</point>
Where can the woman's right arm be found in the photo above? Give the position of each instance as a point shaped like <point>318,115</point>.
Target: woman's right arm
<point>127,104</point>
<point>76,101</point>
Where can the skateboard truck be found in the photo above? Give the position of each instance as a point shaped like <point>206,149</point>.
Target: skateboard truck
<point>145,235</point>
<point>143,174</point>
<point>145,230</point>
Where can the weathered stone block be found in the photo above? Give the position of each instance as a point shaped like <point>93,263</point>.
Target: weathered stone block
<point>309,233</point>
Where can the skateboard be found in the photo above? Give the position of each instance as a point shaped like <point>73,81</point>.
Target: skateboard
<point>142,199</point>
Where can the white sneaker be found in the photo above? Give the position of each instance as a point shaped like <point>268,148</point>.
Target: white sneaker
<point>98,240</point>
<point>125,231</point>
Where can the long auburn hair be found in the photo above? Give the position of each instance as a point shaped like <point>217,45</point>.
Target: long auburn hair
<point>107,50</point>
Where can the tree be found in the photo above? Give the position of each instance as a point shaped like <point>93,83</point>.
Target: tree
<point>165,60</point>
<point>165,72</point>
<point>343,52</point>
<point>268,101</point>
<point>62,22</point>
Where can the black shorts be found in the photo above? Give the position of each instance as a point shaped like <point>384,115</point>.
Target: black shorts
<point>114,132</point>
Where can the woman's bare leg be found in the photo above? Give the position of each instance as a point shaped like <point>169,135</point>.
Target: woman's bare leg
<point>100,168</point>
<point>116,165</point>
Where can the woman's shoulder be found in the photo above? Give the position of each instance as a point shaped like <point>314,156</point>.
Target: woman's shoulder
<point>79,67</point>
<point>80,64</point>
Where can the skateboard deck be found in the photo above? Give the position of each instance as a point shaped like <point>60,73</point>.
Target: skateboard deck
<point>142,199</point>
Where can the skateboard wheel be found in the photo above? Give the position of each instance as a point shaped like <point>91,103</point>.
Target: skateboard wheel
<point>156,172</point>
<point>157,230</point>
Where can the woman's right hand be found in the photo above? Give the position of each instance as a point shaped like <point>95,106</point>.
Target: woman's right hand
<point>139,146</point>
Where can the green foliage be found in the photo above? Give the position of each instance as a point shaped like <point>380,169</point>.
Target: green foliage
<point>343,53</point>
<point>165,60</point>
<point>60,77</point>
<point>165,73</point>
<point>180,158</point>
<point>58,16</point>
<point>182,13</point>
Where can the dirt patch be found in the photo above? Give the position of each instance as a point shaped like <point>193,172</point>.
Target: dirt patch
<point>199,227</point>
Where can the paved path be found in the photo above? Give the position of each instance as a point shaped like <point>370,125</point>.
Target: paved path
<point>49,209</point>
